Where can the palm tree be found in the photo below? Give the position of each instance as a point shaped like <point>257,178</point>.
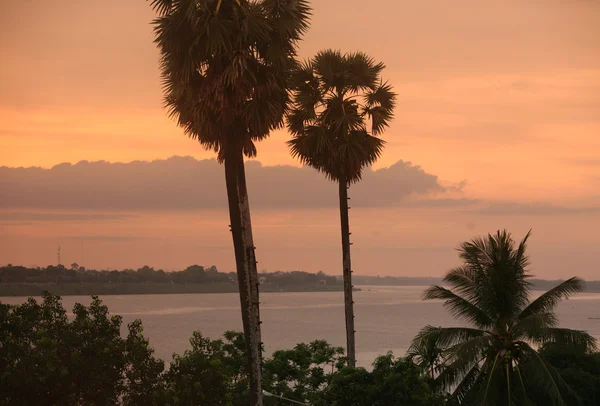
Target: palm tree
<point>427,354</point>
<point>495,361</point>
<point>340,106</point>
<point>225,67</point>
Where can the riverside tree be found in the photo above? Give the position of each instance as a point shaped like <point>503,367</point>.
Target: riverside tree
<point>340,107</point>
<point>225,67</point>
<point>46,359</point>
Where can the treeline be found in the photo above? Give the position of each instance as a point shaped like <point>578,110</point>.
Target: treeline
<point>146,274</point>
<point>395,280</point>
<point>195,274</point>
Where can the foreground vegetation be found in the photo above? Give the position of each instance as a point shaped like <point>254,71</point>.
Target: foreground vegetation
<point>48,359</point>
<point>494,361</point>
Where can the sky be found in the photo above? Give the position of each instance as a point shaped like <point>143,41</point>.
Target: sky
<point>496,126</point>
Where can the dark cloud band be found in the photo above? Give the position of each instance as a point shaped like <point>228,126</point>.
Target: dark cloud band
<point>181,183</point>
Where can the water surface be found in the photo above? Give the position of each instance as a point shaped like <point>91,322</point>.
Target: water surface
<point>387,317</point>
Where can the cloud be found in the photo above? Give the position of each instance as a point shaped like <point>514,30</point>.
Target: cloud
<point>530,209</point>
<point>181,183</point>
<point>28,217</point>
<point>100,189</point>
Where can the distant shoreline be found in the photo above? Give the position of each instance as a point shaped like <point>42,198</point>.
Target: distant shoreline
<point>87,289</point>
<point>536,284</point>
<point>195,279</point>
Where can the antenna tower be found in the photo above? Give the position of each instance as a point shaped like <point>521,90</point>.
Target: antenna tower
<point>58,255</point>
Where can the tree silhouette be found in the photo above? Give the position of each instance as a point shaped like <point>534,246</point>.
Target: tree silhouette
<point>340,106</point>
<point>495,362</point>
<point>225,68</point>
<point>426,354</point>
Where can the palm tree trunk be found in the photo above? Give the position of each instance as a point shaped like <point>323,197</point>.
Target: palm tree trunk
<point>247,274</point>
<point>347,272</point>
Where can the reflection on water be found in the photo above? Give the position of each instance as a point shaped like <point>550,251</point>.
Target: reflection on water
<point>387,318</point>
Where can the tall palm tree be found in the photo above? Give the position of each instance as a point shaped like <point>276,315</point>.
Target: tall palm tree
<point>225,67</point>
<point>495,361</point>
<point>340,107</point>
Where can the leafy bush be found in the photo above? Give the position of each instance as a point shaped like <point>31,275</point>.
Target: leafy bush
<point>45,359</point>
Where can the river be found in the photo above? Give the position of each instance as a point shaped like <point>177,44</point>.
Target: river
<point>387,317</point>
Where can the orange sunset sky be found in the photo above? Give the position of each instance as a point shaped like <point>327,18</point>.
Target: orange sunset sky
<point>497,126</point>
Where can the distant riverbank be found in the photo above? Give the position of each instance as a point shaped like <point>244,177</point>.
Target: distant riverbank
<point>86,289</point>
<point>59,280</point>
<point>536,284</point>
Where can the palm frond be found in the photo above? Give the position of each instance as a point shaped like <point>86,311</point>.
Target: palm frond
<point>548,301</point>
<point>293,17</point>
<point>362,73</point>
<point>446,337</point>
<point>534,325</point>
<point>471,350</point>
<point>162,7</point>
<point>458,306</point>
<point>463,358</point>
<point>380,118</point>
<point>458,369</point>
<point>538,376</point>
<point>303,75</point>
<point>370,146</point>
<point>569,396</point>
<point>426,353</point>
<point>520,258</point>
<point>565,337</point>
<point>466,385</point>
<point>329,66</point>
<point>254,26</point>
<point>296,120</point>
<point>464,282</point>
<point>383,96</point>
<point>311,147</point>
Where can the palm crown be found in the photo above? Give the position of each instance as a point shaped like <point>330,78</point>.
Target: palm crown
<point>225,66</point>
<point>496,361</point>
<point>335,97</point>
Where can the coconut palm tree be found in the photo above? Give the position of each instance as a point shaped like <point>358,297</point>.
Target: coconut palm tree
<point>225,67</point>
<point>340,107</point>
<point>495,360</point>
